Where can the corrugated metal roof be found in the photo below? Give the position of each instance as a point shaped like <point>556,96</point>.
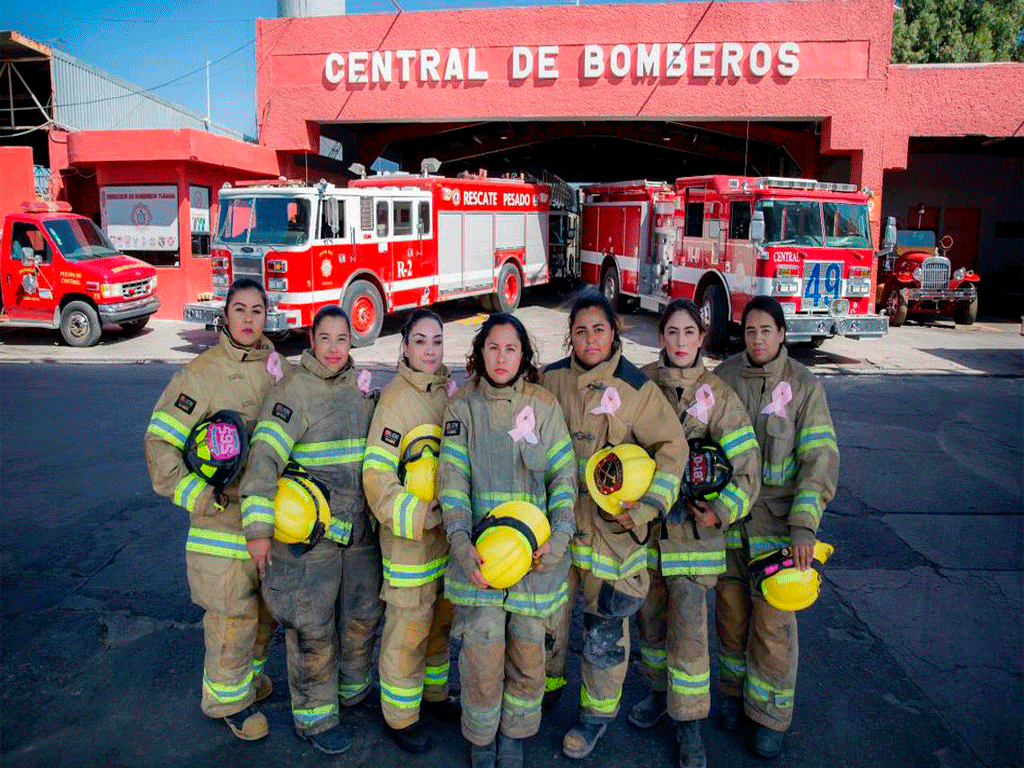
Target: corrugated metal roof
<point>88,99</point>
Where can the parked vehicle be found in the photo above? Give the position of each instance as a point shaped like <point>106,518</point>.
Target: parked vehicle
<point>59,270</point>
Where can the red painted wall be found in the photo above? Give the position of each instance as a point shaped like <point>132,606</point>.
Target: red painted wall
<point>17,180</point>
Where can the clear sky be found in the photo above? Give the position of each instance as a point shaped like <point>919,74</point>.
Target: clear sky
<point>151,43</point>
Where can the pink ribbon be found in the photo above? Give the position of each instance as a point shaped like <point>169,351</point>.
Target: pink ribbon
<point>782,394</point>
<point>704,401</point>
<point>274,366</point>
<point>525,422</point>
<point>363,381</point>
<point>610,403</point>
<point>452,387</point>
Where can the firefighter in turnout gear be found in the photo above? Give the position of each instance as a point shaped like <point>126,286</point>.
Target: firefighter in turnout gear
<point>608,401</point>
<point>223,580</point>
<point>504,440</point>
<point>317,418</point>
<point>687,553</point>
<point>757,643</point>
<point>402,452</point>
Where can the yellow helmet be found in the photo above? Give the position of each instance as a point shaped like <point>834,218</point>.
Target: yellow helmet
<point>301,511</point>
<point>782,584</point>
<point>619,473</point>
<point>509,536</point>
<point>417,467</point>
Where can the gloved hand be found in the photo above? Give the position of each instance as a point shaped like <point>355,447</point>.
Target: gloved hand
<point>557,545</point>
<point>461,549</point>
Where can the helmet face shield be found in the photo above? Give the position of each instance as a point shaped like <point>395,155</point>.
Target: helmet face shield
<point>417,467</point>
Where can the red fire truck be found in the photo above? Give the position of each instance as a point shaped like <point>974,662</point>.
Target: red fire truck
<point>721,240</point>
<point>390,242</point>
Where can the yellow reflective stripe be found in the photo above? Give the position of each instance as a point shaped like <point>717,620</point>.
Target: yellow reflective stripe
<point>663,491</point>
<point>403,698</point>
<point>404,575</point>
<point>759,690</point>
<point>168,428</point>
<point>436,676</point>
<point>762,545</point>
<point>692,563</point>
<point>330,452</point>
<point>737,501</point>
<point>188,490</point>
<point>351,690</point>
<point>601,706</point>
<point>560,497</point>
<point>257,509</point>
<point>204,542</point>
<point>732,664</point>
<point>258,664</point>
<point>456,455</point>
<point>816,437</point>
<point>485,501</point>
<point>689,685</point>
<point>558,456</point>
<point>452,497</point>
<point>230,693</point>
<point>653,558</point>
<point>403,515</point>
<point>739,441</point>
<point>380,459</point>
<point>604,567</point>
<point>778,474</point>
<point>314,715</point>
<point>808,502</point>
<point>273,434</point>
<point>555,683</point>
<point>511,703</point>
<point>653,658</point>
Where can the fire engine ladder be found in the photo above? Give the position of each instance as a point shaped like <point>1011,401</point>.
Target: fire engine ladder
<point>563,196</point>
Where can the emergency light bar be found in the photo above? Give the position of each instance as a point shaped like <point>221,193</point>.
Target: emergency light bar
<point>45,206</point>
<point>779,182</point>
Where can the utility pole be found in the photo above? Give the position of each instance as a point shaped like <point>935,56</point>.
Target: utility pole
<point>207,94</point>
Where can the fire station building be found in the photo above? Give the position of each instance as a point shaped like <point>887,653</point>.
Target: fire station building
<point>604,93</point>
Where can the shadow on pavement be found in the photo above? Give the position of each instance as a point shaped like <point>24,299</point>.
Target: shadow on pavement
<point>993,361</point>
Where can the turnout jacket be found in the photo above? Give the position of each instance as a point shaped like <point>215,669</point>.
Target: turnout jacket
<point>317,420</point>
<point>799,454</point>
<point>707,408</point>
<point>643,417</point>
<point>412,541</point>
<point>482,465</point>
<point>224,377</point>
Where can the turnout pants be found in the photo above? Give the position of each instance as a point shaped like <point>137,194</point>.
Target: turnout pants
<point>501,667</point>
<point>673,629</point>
<point>236,630</point>
<point>357,613</point>
<point>301,590</point>
<point>414,657</point>
<point>558,628</point>
<point>757,646</point>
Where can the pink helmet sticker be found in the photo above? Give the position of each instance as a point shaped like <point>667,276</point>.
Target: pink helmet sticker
<point>223,441</point>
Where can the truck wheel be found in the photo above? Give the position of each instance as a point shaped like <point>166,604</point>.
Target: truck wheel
<point>611,287</point>
<point>365,308</point>
<point>897,307</point>
<point>80,325</point>
<point>132,327</point>
<point>510,289</point>
<point>714,313</point>
<point>966,312</point>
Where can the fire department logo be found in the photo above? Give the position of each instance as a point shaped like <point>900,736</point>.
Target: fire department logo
<point>326,268</point>
<point>456,196</point>
<point>446,194</point>
<point>141,215</point>
<point>543,197</point>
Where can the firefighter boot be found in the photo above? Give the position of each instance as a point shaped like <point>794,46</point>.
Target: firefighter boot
<point>730,714</point>
<point>333,741</point>
<point>448,710</point>
<point>768,741</point>
<point>482,757</point>
<point>691,746</point>
<point>249,725</point>
<point>413,739</point>
<point>648,712</point>
<point>264,687</point>
<point>582,738</point>
<point>510,752</point>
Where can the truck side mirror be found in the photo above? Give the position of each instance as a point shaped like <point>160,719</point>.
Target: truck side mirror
<point>28,256</point>
<point>890,234</point>
<point>757,228</point>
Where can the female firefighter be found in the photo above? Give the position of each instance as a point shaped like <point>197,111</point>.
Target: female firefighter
<point>305,517</point>
<point>507,479</point>
<point>611,408</point>
<point>687,553</point>
<point>235,376</point>
<point>399,471</point>
<point>757,643</point>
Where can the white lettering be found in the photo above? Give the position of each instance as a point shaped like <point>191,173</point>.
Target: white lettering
<point>381,67</point>
<point>474,73</point>
<point>429,59</point>
<point>648,62</point>
<point>406,57</point>
<point>477,197</point>
<point>789,59</point>
<point>333,68</point>
<point>675,60</point>
<point>522,62</point>
<point>593,61</point>
<point>546,62</point>
<point>515,199</point>
<point>357,66</point>
<point>400,268</point>
<point>620,60</point>
<point>760,59</point>
<point>453,67</point>
<point>702,53</point>
<point>732,54</point>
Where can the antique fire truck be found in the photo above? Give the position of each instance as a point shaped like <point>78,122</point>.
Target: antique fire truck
<point>385,243</point>
<point>914,278</point>
<point>721,240</point>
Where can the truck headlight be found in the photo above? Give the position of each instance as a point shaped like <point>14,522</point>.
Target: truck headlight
<point>277,283</point>
<point>960,274</point>
<point>220,280</point>
<point>111,290</point>
<point>917,274</point>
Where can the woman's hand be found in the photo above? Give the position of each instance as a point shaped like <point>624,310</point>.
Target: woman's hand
<point>539,554</point>
<point>624,518</point>
<point>476,576</point>
<point>703,514</point>
<point>802,555</point>
<point>259,551</point>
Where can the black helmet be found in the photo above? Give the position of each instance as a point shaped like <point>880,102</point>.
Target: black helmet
<point>707,472</point>
<point>216,448</point>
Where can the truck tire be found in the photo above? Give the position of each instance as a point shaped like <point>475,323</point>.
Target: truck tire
<point>79,324</point>
<point>131,327</point>
<point>966,312</point>
<point>510,289</point>
<point>715,313</point>
<point>611,286</point>
<point>896,305</point>
<point>365,308</point>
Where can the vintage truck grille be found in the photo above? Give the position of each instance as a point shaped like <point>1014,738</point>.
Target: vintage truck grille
<point>247,266</point>
<point>935,273</point>
<point>135,289</point>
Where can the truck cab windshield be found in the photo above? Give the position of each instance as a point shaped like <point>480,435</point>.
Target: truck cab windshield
<point>815,224</point>
<point>264,220</point>
<point>79,239</point>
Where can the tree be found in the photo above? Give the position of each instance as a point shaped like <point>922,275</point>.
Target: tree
<point>930,31</point>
